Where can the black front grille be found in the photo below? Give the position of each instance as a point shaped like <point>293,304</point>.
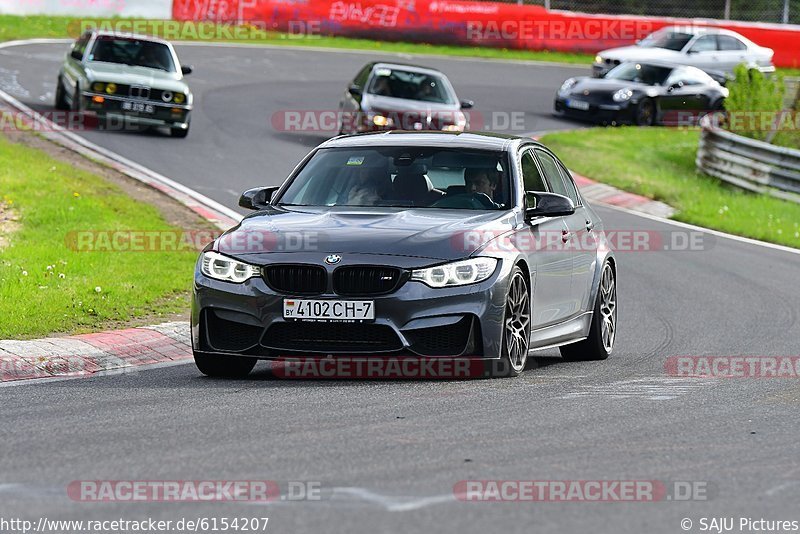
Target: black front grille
<point>358,280</point>
<point>449,340</point>
<point>297,279</point>
<point>331,337</point>
<point>225,335</point>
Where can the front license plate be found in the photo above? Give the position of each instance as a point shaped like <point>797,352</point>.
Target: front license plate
<point>578,104</point>
<point>138,107</point>
<point>329,310</point>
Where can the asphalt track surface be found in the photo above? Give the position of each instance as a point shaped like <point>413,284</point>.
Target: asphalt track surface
<point>387,454</point>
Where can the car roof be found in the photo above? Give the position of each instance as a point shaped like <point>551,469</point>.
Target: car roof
<point>126,35</point>
<point>703,30</point>
<point>466,140</point>
<point>406,67</point>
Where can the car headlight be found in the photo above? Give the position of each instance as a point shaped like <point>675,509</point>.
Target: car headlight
<point>98,87</point>
<point>227,269</point>
<point>459,273</point>
<point>567,85</point>
<point>179,98</point>
<point>111,88</point>
<point>623,95</point>
<point>598,58</point>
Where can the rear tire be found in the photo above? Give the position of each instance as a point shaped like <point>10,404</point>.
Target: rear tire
<point>600,343</point>
<point>516,329</point>
<point>224,366</point>
<point>61,101</point>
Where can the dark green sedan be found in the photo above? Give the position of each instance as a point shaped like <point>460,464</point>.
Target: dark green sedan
<point>127,81</point>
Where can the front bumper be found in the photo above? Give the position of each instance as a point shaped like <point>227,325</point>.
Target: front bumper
<point>157,114</point>
<point>247,320</point>
<point>622,113</point>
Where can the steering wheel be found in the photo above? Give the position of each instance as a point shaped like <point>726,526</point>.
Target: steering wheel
<point>474,201</point>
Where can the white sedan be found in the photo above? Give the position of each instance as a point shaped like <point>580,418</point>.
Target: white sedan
<point>714,50</point>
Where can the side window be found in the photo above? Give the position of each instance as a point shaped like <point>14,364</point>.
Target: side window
<point>362,76</point>
<point>705,43</point>
<point>552,173</point>
<point>572,191</point>
<point>727,42</point>
<point>80,44</point>
<point>531,178</point>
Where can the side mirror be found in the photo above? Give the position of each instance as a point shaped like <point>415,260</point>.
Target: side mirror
<point>467,104</point>
<point>186,69</point>
<point>355,90</point>
<point>76,54</point>
<point>692,51</point>
<point>257,198</point>
<point>540,204</point>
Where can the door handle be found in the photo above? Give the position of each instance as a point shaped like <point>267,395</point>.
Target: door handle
<point>565,235</point>
<point>589,226</point>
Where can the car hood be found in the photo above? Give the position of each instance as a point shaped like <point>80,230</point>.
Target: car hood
<point>640,53</point>
<point>600,87</point>
<point>389,104</point>
<point>437,234</point>
<point>131,75</point>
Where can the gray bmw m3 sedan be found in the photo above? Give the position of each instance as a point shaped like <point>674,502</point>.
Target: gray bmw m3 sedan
<point>426,245</point>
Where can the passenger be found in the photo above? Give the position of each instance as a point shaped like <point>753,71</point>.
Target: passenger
<point>382,87</point>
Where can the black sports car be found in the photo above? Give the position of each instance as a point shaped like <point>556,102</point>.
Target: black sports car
<point>394,96</point>
<point>420,245</point>
<point>642,94</point>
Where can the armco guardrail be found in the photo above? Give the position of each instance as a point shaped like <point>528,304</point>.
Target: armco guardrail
<point>747,163</point>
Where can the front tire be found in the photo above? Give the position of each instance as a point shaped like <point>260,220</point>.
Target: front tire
<point>516,329</point>
<point>600,343</point>
<point>61,100</point>
<point>645,113</point>
<point>76,100</point>
<point>224,366</point>
<point>181,133</point>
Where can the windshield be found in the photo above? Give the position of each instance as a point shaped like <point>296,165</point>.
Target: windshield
<point>133,52</point>
<point>670,40</point>
<point>402,177</point>
<point>639,73</point>
<point>410,86</point>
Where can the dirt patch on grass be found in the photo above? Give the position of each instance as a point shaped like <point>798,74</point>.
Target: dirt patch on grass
<point>9,223</point>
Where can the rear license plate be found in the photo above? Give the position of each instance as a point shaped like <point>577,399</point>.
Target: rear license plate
<point>329,310</point>
<point>578,104</point>
<point>138,107</point>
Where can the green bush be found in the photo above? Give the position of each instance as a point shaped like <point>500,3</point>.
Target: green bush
<point>754,102</point>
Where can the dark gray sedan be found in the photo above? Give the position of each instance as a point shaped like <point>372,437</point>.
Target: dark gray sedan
<point>423,245</point>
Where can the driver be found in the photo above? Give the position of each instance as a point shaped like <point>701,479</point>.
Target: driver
<point>481,181</point>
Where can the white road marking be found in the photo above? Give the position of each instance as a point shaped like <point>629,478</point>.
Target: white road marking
<point>648,388</point>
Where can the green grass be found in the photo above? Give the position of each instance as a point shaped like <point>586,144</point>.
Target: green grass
<point>52,199</point>
<point>659,163</point>
<point>16,27</point>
